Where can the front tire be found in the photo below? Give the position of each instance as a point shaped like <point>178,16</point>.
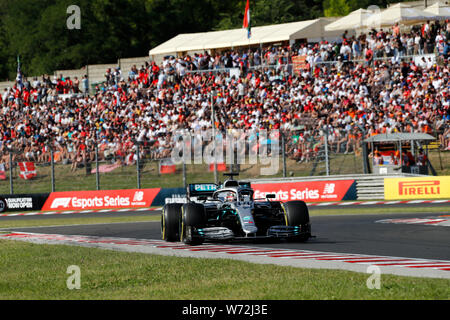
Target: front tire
<point>170,219</point>
<point>193,217</point>
<point>297,214</point>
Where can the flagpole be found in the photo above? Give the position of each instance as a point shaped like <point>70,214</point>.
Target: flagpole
<point>19,74</point>
<point>213,93</point>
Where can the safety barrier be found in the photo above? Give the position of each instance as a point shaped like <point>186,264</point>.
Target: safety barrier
<point>308,189</point>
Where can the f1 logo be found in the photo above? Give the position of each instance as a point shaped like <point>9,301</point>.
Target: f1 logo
<point>60,202</point>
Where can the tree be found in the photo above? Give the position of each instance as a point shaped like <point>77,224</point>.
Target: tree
<point>112,29</point>
<point>336,8</point>
<point>266,12</point>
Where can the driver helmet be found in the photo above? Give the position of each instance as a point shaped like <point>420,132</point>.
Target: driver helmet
<point>230,196</point>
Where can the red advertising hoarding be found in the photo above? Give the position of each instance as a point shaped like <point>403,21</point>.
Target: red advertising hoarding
<point>107,199</point>
<point>311,191</point>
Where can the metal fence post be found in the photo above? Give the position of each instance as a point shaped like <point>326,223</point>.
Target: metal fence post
<point>364,150</point>
<point>52,164</point>
<point>327,160</point>
<point>184,174</point>
<point>138,164</point>
<point>97,173</point>
<point>11,184</point>
<point>283,149</point>
<point>213,123</point>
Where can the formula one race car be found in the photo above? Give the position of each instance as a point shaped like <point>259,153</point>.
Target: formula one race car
<point>228,211</point>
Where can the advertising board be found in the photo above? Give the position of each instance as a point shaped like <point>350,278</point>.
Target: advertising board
<point>23,202</point>
<point>104,199</point>
<point>417,188</point>
<point>311,191</point>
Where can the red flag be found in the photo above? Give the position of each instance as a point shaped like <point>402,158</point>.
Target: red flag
<point>27,170</point>
<point>220,167</point>
<point>130,159</point>
<point>167,166</point>
<point>246,23</point>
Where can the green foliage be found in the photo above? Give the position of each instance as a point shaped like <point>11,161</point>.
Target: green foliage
<point>336,8</point>
<point>37,31</point>
<point>265,12</point>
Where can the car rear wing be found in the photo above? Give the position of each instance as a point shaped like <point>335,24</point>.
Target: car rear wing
<point>201,189</point>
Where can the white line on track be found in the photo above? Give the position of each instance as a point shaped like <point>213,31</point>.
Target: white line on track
<point>392,202</point>
<point>440,201</point>
<point>417,201</point>
<point>369,202</point>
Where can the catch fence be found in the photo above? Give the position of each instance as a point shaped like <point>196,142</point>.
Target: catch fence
<point>305,150</point>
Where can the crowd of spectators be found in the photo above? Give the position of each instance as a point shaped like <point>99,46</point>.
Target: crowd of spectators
<point>354,87</point>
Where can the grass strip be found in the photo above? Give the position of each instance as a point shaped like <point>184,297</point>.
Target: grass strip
<point>74,221</point>
<point>33,271</point>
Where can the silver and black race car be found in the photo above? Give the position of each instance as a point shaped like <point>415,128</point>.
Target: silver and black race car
<point>228,212</point>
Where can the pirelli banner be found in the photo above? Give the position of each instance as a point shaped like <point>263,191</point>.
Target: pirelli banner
<point>417,188</point>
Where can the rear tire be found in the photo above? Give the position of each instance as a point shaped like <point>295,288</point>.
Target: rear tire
<point>170,220</point>
<point>193,216</point>
<point>297,214</point>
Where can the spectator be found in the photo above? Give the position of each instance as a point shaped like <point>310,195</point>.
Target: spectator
<point>157,100</point>
<point>85,82</point>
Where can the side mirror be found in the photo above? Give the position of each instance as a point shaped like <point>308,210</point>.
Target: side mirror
<point>270,196</point>
<point>202,198</point>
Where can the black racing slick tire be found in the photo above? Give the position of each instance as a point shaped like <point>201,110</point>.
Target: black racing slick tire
<point>170,220</point>
<point>297,214</point>
<point>3,205</point>
<point>193,217</point>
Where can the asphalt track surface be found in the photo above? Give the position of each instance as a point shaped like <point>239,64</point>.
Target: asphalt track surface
<point>358,234</point>
<point>156,212</point>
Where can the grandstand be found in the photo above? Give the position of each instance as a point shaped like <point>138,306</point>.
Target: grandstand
<point>382,81</point>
